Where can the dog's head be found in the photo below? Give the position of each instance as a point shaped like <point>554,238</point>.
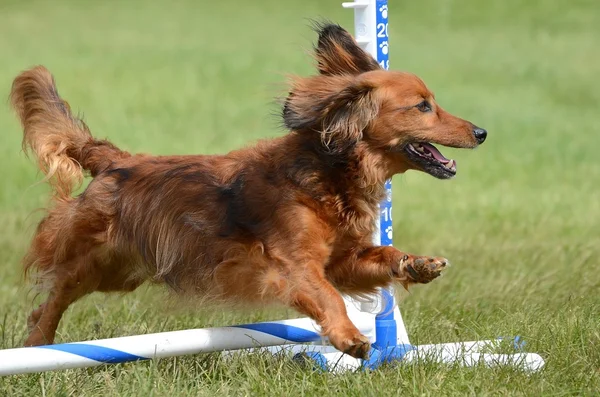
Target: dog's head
<point>353,101</point>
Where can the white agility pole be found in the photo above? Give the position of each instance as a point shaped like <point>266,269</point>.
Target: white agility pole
<point>380,320</point>
<point>165,344</point>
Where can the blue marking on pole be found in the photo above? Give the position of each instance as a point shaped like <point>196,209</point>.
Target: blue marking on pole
<point>517,342</point>
<point>383,49</point>
<point>94,352</point>
<point>389,354</point>
<point>287,332</point>
<point>381,25</point>
<point>386,332</point>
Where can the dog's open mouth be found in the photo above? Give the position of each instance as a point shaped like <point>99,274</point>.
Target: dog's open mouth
<point>431,160</point>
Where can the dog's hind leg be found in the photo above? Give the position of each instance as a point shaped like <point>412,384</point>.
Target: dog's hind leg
<point>68,255</point>
<point>85,275</point>
<point>71,282</point>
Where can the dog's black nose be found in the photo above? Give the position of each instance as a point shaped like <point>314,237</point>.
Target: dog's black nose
<point>480,134</point>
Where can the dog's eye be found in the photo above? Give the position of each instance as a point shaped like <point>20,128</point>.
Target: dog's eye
<point>424,107</point>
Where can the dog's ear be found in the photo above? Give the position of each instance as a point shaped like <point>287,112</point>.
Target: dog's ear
<point>337,52</point>
<point>338,112</point>
<point>346,116</point>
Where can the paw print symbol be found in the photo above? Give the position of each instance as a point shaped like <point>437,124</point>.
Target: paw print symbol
<point>388,231</point>
<point>384,47</point>
<point>383,10</point>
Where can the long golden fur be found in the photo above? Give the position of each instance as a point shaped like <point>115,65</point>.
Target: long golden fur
<point>288,220</point>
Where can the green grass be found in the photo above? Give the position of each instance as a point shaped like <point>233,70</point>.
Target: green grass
<point>521,222</point>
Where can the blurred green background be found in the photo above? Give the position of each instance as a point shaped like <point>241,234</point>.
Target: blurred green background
<point>520,222</point>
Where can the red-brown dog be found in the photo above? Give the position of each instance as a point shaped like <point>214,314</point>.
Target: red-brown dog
<point>288,220</point>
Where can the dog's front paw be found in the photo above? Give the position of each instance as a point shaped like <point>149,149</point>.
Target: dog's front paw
<point>412,269</point>
<point>351,342</point>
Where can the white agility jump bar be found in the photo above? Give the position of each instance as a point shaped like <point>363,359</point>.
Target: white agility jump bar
<point>466,354</point>
<point>165,344</point>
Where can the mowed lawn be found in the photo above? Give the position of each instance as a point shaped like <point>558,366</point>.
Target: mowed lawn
<point>520,222</point>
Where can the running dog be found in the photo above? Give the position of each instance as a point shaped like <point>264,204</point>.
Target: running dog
<point>288,220</point>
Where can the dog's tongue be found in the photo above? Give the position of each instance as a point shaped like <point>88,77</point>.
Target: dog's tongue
<point>435,153</point>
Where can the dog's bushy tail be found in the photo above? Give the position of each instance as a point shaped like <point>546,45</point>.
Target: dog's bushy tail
<point>62,142</point>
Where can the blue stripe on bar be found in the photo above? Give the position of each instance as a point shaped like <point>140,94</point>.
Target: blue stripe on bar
<point>287,332</point>
<point>93,352</point>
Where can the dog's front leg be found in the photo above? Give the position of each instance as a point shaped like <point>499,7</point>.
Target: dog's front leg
<point>364,269</point>
<point>299,257</point>
<point>313,295</point>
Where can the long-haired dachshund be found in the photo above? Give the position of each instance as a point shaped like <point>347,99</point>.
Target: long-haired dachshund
<point>288,220</point>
